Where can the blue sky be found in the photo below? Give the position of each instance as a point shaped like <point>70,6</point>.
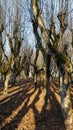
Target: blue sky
<point>25,17</point>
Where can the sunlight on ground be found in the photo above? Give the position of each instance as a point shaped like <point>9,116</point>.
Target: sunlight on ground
<point>14,113</point>
<point>27,118</point>
<point>41,101</point>
<point>21,109</point>
<point>33,100</point>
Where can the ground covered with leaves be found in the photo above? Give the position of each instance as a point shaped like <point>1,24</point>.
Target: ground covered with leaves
<point>23,108</point>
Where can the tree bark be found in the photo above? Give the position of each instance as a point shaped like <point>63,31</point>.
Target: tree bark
<point>61,59</point>
<point>47,81</point>
<point>6,83</point>
<point>14,76</point>
<point>66,102</point>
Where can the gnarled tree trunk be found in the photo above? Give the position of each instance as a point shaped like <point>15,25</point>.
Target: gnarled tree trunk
<point>59,56</point>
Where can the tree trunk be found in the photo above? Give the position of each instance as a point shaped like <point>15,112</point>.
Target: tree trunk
<point>35,81</point>
<point>6,83</point>
<point>14,76</point>
<point>66,103</point>
<point>47,82</point>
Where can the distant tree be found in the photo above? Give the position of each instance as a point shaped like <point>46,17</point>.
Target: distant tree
<point>26,53</point>
<point>38,67</point>
<point>14,37</point>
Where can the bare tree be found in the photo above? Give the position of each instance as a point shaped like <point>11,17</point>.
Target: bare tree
<point>15,63</point>
<point>63,62</point>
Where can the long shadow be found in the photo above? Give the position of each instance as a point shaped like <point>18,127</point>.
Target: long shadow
<point>5,97</point>
<point>22,81</point>
<point>15,101</point>
<point>13,125</point>
<point>50,117</point>
<point>15,91</point>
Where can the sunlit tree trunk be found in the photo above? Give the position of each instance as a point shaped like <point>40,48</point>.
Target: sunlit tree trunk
<point>64,77</point>
<point>7,78</point>
<point>63,26</point>
<point>66,102</point>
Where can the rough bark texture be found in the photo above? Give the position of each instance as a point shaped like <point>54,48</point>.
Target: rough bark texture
<point>6,82</point>
<point>63,62</point>
<point>66,106</point>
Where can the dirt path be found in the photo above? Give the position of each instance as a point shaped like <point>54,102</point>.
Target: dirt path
<point>24,109</point>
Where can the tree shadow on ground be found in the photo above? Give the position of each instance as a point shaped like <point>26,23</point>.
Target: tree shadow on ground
<point>11,103</point>
<point>20,101</point>
<point>50,118</point>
